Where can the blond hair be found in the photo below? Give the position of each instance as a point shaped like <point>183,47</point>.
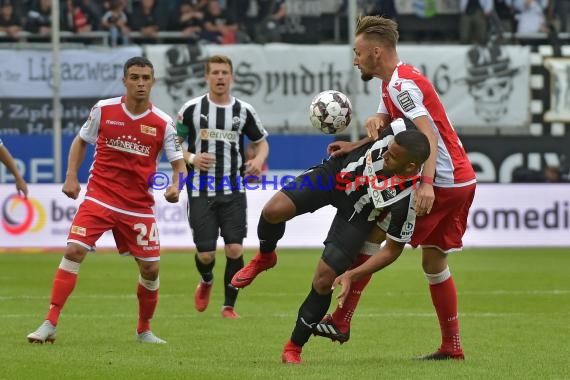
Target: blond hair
<point>378,28</point>
<point>219,59</point>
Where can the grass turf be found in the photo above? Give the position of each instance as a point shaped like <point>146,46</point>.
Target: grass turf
<point>514,315</point>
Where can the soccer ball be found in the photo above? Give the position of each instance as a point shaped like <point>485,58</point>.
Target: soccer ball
<point>330,112</point>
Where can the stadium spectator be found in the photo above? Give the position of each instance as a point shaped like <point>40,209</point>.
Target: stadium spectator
<point>530,15</point>
<point>473,21</point>
<point>270,20</point>
<point>560,13</point>
<point>81,16</point>
<point>8,161</point>
<point>39,19</point>
<point>448,179</point>
<point>10,22</point>
<point>115,20</point>
<point>218,27</point>
<point>396,157</point>
<point>214,125</point>
<point>130,133</point>
<point>189,21</point>
<point>146,20</point>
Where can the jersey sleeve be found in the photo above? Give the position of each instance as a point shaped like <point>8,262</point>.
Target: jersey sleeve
<point>90,129</point>
<point>382,107</point>
<point>409,99</point>
<point>402,220</point>
<point>185,127</point>
<point>172,146</point>
<point>253,128</point>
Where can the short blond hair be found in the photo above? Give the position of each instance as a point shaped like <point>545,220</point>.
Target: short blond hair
<point>378,28</point>
<point>219,59</point>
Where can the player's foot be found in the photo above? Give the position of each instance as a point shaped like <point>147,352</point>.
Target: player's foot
<point>328,329</point>
<point>229,312</point>
<point>291,353</point>
<point>202,295</point>
<point>149,337</point>
<point>44,333</point>
<point>442,355</point>
<point>261,262</point>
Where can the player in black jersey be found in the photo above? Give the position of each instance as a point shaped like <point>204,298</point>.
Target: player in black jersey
<point>375,180</point>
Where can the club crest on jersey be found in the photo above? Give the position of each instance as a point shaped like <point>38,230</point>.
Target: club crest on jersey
<point>406,101</point>
<point>398,85</point>
<point>77,230</point>
<point>235,123</point>
<point>148,130</point>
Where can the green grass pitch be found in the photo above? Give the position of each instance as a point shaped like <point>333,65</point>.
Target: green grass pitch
<point>514,315</point>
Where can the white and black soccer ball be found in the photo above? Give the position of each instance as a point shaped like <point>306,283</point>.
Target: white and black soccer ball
<point>330,112</point>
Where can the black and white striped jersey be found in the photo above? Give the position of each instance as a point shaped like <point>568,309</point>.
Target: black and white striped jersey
<point>374,192</point>
<point>219,130</point>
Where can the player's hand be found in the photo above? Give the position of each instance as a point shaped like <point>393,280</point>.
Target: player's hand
<point>172,194</point>
<point>22,187</point>
<point>339,148</point>
<point>253,167</point>
<point>424,199</point>
<point>344,280</point>
<point>71,187</point>
<point>374,125</point>
<point>204,161</point>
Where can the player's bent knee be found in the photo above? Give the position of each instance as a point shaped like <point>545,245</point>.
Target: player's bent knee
<point>324,278</point>
<point>280,208</point>
<point>75,252</point>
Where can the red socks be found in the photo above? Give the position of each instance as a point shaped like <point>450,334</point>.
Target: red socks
<point>444,298</point>
<point>342,317</point>
<point>63,284</point>
<point>147,304</point>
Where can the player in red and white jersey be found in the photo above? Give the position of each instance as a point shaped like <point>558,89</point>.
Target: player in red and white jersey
<point>130,135</point>
<point>448,179</point>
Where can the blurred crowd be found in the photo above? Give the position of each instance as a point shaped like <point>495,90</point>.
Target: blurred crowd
<point>260,21</point>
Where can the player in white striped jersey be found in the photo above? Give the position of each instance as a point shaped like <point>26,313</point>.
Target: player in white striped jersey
<point>214,126</point>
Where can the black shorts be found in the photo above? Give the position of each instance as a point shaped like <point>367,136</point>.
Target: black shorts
<point>316,188</point>
<point>344,241</point>
<point>210,216</point>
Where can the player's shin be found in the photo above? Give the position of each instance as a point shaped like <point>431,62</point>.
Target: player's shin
<point>232,267</point>
<point>147,294</point>
<point>63,285</point>
<point>444,298</point>
<point>310,313</point>
<point>269,234</point>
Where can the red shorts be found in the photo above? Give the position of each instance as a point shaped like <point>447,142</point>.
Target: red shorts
<point>445,225</point>
<point>135,234</point>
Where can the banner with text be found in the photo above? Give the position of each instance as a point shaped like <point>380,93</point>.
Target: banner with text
<point>498,218</point>
<point>480,86</point>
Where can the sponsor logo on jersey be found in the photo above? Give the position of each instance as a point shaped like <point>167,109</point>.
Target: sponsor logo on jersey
<point>128,144</point>
<point>148,130</point>
<point>77,230</point>
<point>219,135</point>
<point>406,101</point>
<point>115,122</point>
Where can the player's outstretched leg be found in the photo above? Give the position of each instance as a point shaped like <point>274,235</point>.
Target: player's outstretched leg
<point>269,234</point>
<point>44,333</point>
<point>336,326</point>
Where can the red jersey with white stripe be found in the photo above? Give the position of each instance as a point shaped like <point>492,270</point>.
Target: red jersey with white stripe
<point>410,94</point>
<point>127,150</point>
